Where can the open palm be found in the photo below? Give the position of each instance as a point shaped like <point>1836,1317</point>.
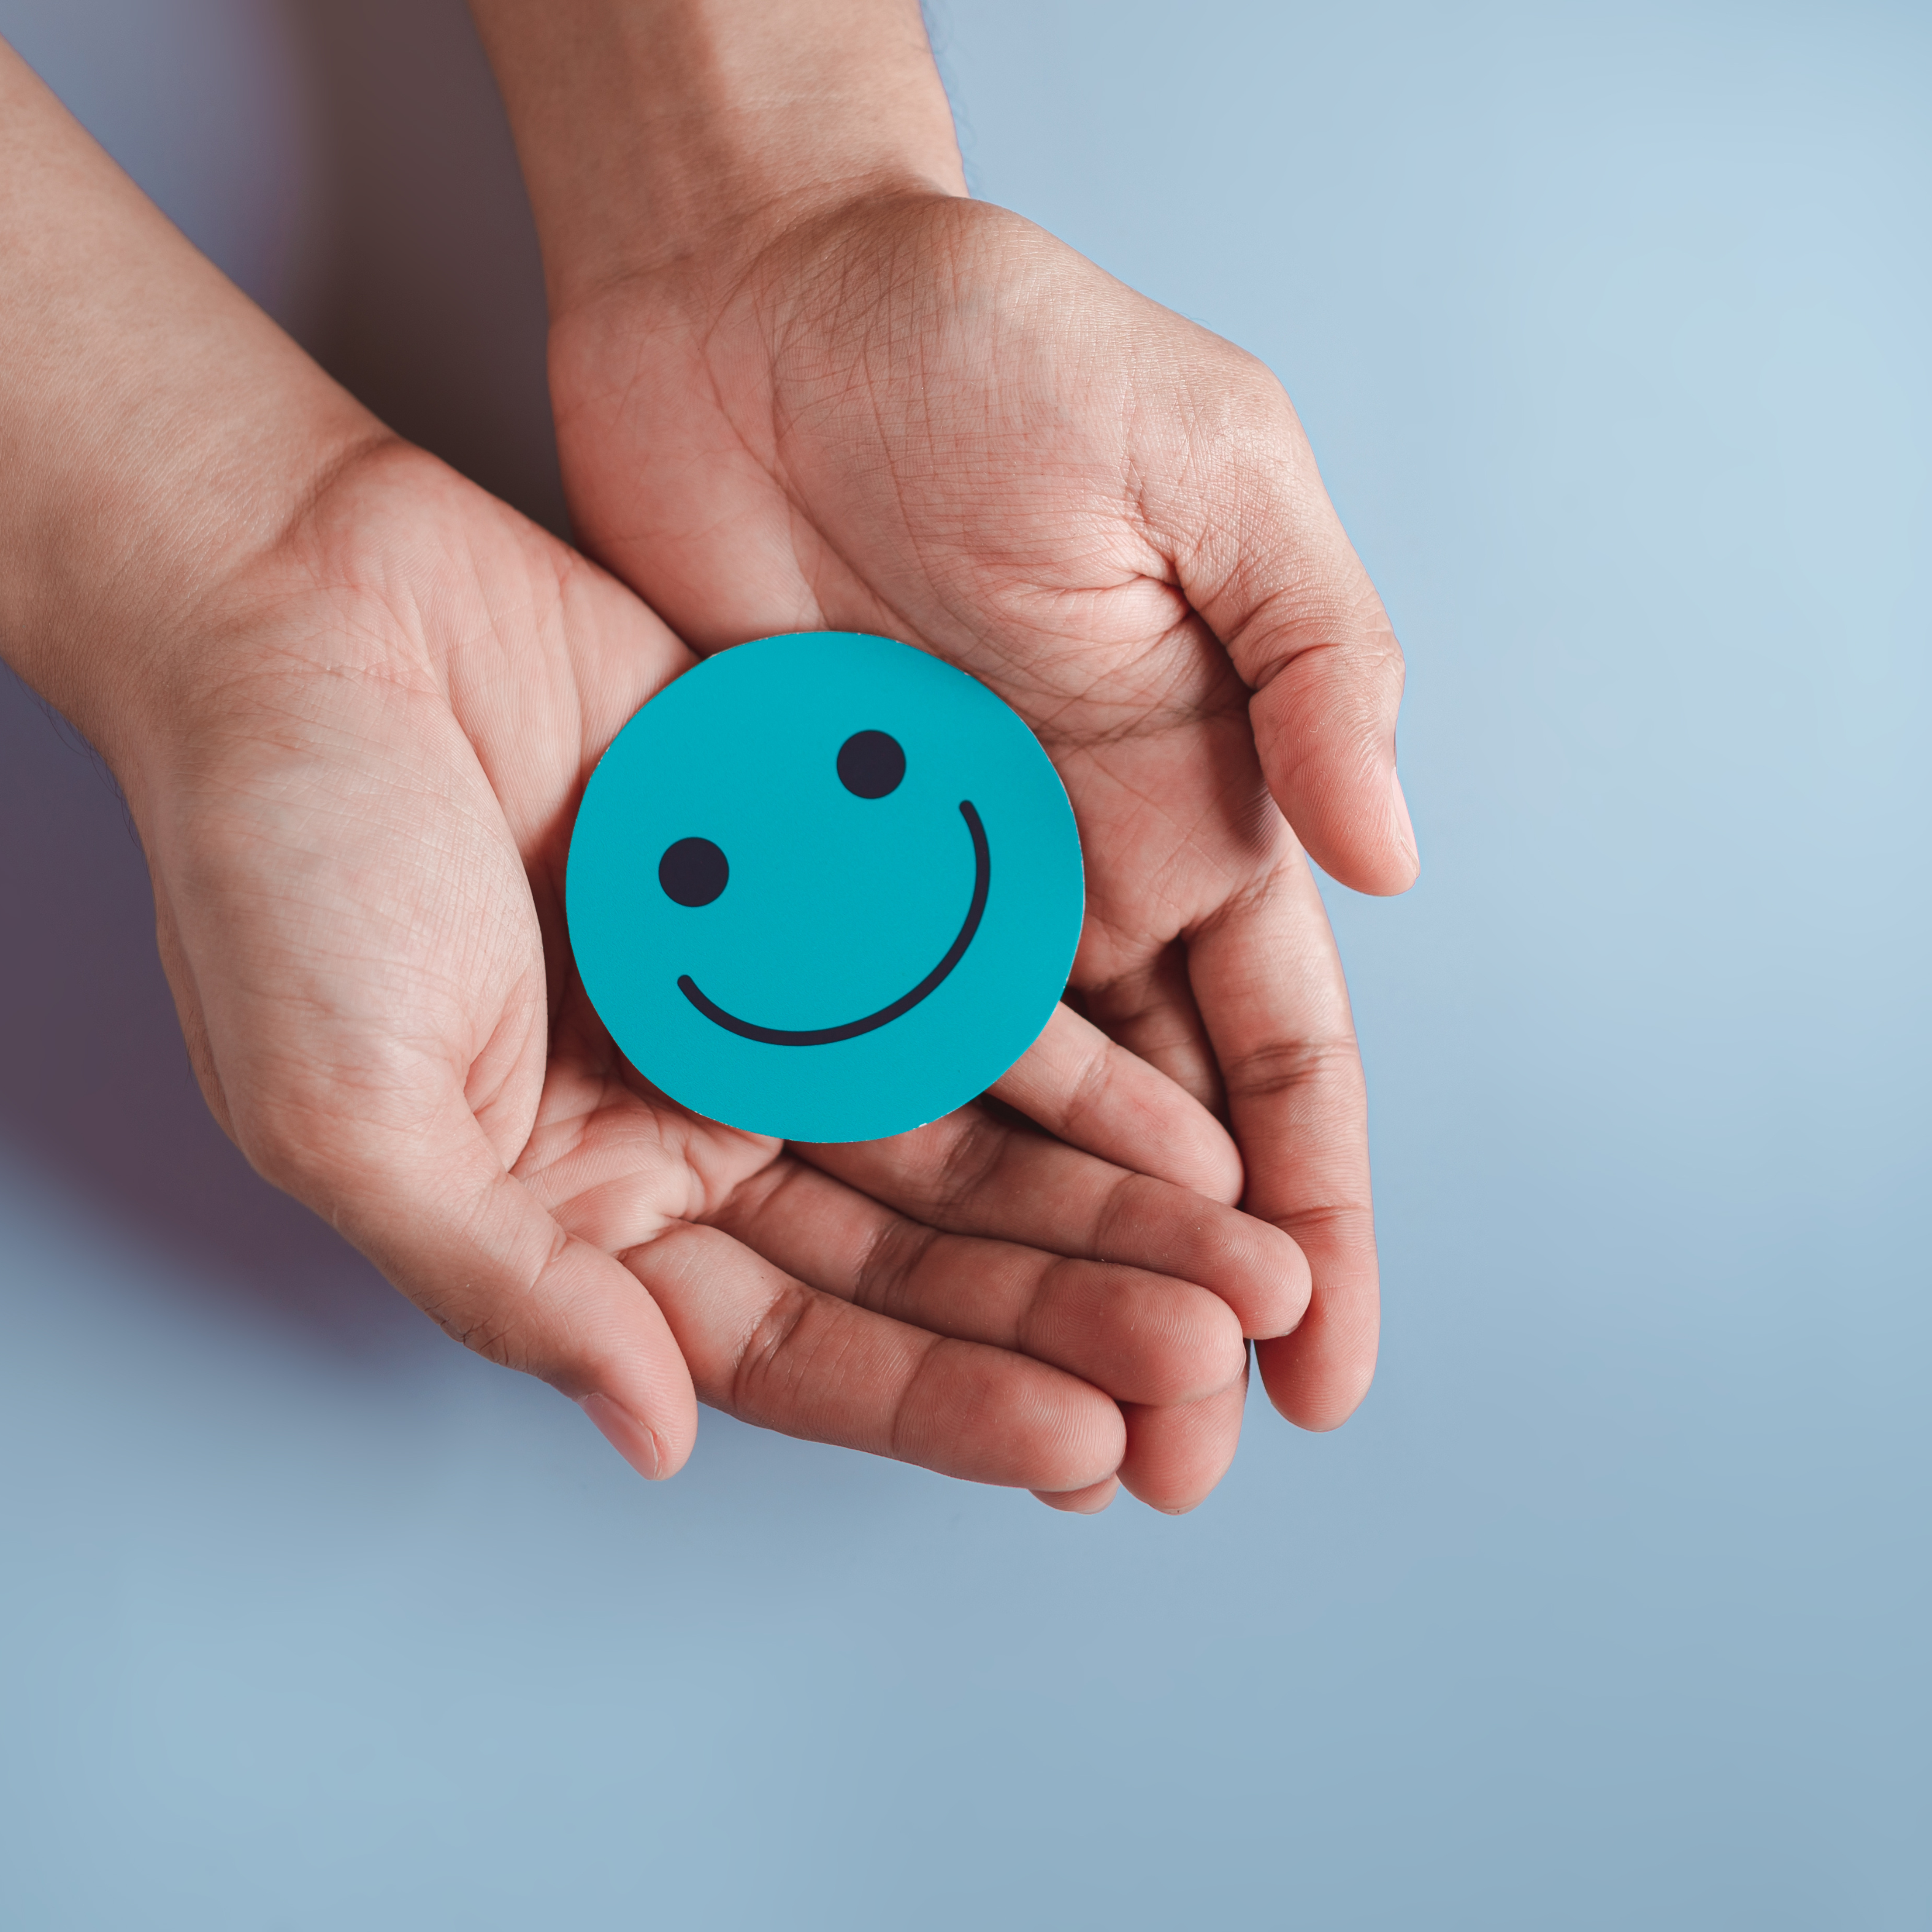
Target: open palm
<point>358,823</point>
<point>922,416</point>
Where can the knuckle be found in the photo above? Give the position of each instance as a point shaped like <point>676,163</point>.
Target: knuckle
<point>491,1336</point>
<point>906,1429</point>
<point>1325,1063</point>
<point>1094,1086</point>
<point>889,1263</point>
<point>770,1347</point>
<point>971,1162</point>
<point>1117,1219</point>
<point>489,1333</point>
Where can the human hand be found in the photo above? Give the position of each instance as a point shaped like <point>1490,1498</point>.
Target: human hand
<point>358,815</point>
<point>352,701</point>
<point>799,383</point>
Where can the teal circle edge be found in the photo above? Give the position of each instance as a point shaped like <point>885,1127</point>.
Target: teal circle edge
<point>648,789</point>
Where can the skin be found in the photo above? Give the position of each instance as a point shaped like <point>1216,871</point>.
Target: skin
<point>353,701</point>
<point>801,380</point>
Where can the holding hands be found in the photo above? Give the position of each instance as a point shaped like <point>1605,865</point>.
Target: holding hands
<point>801,382</point>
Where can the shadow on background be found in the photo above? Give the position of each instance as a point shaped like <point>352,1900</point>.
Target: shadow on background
<point>415,279</point>
<point>95,1083</point>
<point>431,305</point>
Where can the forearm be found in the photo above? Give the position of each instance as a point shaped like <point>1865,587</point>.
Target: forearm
<point>654,130</point>
<point>155,426</point>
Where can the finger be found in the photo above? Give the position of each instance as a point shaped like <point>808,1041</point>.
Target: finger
<point>1089,1502</point>
<point>972,1174</point>
<point>1149,1011</point>
<point>1271,991</point>
<point>1177,1453</point>
<point>1078,1085</point>
<point>1263,557</point>
<point>1140,1336</point>
<point>770,1350</point>
<point>628,1176</point>
<point>476,1250</point>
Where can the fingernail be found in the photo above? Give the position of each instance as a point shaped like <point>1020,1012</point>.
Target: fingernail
<point>625,1433</point>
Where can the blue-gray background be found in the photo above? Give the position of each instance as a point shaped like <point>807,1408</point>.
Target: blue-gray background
<point>1610,1609</point>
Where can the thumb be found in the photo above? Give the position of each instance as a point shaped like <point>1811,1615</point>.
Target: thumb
<point>474,1248</point>
<point>1267,566</point>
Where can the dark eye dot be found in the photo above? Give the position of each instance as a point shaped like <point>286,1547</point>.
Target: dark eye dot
<point>870,764</point>
<point>693,872</point>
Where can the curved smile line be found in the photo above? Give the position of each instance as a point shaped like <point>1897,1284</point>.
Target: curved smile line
<point>982,877</point>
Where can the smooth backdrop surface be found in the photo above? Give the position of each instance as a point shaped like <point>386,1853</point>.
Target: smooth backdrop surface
<point>1609,325</point>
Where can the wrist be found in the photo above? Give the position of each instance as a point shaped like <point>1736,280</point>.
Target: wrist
<point>157,430</point>
<point>133,551</point>
<point>682,136</point>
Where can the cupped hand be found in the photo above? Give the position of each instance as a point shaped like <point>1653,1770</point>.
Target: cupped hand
<point>919,415</point>
<point>356,793</point>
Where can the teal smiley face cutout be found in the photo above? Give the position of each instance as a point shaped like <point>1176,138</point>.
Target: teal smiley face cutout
<point>825,887</point>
